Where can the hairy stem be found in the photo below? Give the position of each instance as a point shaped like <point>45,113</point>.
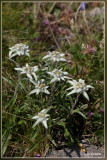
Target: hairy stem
<point>76,100</point>
<point>18,116</point>
<point>41,95</point>
<point>28,85</point>
<point>52,92</point>
<point>46,149</point>
<point>19,65</point>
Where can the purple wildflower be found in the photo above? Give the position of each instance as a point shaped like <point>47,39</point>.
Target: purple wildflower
<point>82,6</point>
<point>37,39</point>
<point>63,6</point>
<point>37,155</point>
<point>52,17</point>
<point>45,22</point>
<point>90,114</point>
<point>91,49</point>
<point>101,110</point>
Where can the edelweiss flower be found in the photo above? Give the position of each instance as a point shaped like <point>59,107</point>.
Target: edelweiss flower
<point>39,87</point>
<point>29,71</point>
<point>55,56</point>
<point>83,46</point>
<point>19,49</point>
<point>58,75</point>
<point>72,22</point>
<point>79,87</point>
<point>41,117</point>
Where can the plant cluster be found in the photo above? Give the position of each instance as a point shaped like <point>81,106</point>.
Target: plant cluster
<point>35,81</point>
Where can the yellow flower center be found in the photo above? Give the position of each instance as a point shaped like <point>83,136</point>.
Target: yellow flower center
<point>18,46</point>
<point>42,114</point>
<point>28,68</point>
<point>55,54</point>
<point>41,85</point>
<point>58,72</point>
<point>78,85</point>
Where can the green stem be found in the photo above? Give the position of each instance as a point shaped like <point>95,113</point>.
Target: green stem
<point>55,64</point>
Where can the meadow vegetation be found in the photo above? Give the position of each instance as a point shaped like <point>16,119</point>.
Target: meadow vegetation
<point>72,28</point>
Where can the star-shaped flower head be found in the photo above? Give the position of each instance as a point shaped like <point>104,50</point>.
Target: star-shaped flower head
<point>29,71</point>
<point>39,87</point>
<point>55,56</point>
<point>72,22</point>
<point>19,49</point>
<point>41,118</point>
<point>79,87</point>
<point>58,75</point>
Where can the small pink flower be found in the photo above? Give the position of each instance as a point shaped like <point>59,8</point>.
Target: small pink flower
<point>90,114</point>
<point>101,110</point>
<point>63,6</point>
<point>45,22</point>
<point>91,49</point>
<point>37,155</point>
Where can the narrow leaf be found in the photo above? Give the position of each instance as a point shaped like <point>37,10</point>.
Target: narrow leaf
<point>51,139</point>
<point>34,145</point>
<point>9,81</point>
<point>77,111</point>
